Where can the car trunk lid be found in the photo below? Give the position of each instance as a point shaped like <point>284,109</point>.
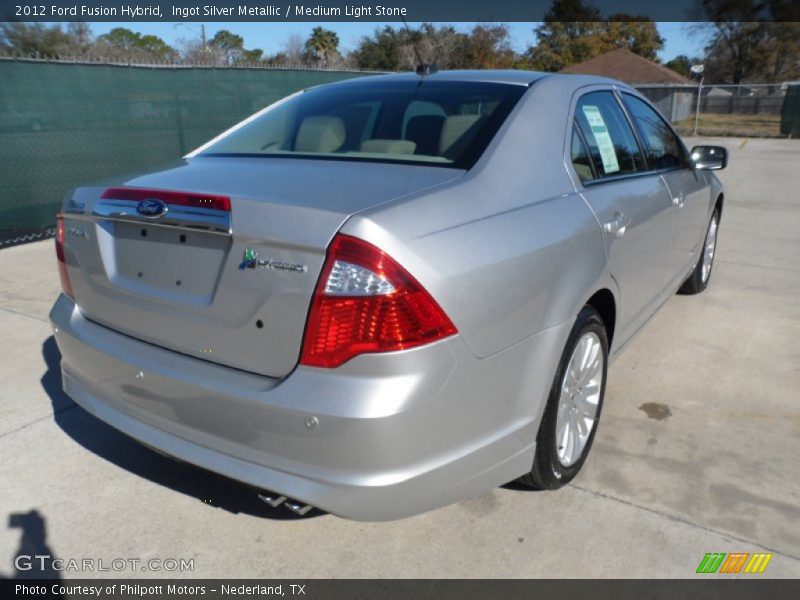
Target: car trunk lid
<point>227,270</point>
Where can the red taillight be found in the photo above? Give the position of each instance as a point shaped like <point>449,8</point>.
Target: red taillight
<point>66,286</point>
<point>366,302</point>
<point>174,198</point>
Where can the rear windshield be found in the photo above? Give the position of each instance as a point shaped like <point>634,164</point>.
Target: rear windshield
<point>438,123</point>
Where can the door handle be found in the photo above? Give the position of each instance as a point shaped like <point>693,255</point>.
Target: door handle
<point>679,201</point>
<point>618,225</point>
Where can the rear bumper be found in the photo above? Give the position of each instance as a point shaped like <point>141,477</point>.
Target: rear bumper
<point>395,435</point>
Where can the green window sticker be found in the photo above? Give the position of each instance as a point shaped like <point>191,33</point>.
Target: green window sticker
<point>603,139</point>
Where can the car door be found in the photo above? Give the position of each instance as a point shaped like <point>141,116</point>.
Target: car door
<point>631,203</point>
<point>688,188</point>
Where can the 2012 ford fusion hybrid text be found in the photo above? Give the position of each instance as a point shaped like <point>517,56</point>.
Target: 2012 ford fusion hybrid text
<point>381,296</point>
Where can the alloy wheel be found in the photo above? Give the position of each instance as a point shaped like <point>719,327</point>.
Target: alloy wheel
<point>579,398</point>
<point>708,251</point>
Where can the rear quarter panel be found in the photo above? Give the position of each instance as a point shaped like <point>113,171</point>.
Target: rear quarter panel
<point>510,249</point>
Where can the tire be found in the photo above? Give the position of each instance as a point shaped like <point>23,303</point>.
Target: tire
<point>554,465</point>
<point>699,278</point>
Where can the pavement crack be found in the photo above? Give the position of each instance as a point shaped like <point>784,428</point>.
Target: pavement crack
<point>22,314</point>
<point>684,521</point>
<point>39,420</point>
<point>752,266</point>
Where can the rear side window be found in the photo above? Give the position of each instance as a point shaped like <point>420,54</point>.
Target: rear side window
<point>664,149</point>
<point>612,144</point>
<point>580,157</point>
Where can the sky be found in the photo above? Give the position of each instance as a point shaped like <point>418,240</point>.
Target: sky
<point>270,37</point>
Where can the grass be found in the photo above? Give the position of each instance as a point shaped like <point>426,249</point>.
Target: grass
<point>733,125</point>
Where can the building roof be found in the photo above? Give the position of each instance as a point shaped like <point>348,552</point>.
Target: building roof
<point>626,66</point>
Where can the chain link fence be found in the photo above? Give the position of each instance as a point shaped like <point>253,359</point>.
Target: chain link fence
<point>66,123</point>
<point>750,110</point>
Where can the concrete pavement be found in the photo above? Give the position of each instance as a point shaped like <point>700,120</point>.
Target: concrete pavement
<point>697,449</point>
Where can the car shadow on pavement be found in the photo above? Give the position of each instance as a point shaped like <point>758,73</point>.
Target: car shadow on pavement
<point>108,443</point>
<point>518,486</point>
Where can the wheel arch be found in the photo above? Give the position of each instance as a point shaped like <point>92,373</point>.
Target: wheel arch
<point>719,202</point>
<point>605,304</point>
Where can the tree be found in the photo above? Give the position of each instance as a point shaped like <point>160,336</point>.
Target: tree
<point>489,47</point>
<point>34,39</point>
<point>682,64</point>
<point>744,46</point>
<point>123,44</point>
<point>76,40</point>
<point>637,34</point>
<point>757,52</point>
<point>252,56</point>
<point>381,51</point>
<point>193,51</point>
<point>486,46</point>
<point>572,11</point>
<point>230,45</point>
<point>81,40</point>
<point>122,39</point>
<point>561,44</point>
<point>322,44</point>
<point>573,32</point>
<point>442,46</point>
<point>294,50</point>
<point>736,52</point>
<point>156,47</point>
<point>225,48</point>
<point>783,61</point>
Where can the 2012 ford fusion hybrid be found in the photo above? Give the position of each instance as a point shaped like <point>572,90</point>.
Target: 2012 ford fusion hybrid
<point>381,296</point>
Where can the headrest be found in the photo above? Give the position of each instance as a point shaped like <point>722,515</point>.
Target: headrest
<point>420,123</point>
<point>320,134</point>
<point>388,146</point>
<point>453,128</point>
<point>425,131</point>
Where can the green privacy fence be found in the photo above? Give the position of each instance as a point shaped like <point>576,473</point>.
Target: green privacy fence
<point>790,115</point>
<point>65,124</point>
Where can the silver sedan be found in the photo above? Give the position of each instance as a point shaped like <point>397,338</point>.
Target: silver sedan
<point>381,296</point>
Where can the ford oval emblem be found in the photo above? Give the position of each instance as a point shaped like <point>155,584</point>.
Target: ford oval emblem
<point>152,208</point>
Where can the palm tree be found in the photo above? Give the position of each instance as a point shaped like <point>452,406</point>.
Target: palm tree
<point>322,44</point>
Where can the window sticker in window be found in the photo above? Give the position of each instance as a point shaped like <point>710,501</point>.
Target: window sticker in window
<point>603,139</point>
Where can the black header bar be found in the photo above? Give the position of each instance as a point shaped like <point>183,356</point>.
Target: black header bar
<point>710,588</point>
<point>448,11</point>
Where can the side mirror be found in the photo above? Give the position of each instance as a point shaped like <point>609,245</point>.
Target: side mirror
<point>709,158</point>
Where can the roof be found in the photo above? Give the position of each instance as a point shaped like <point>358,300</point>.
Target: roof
<point>508,77</point>
<point>488,76</point>
<point>626,66</point>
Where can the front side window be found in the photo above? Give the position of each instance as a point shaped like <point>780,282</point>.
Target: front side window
<point>439,123</point>
<point>664,149</point>
<point>612,144</point>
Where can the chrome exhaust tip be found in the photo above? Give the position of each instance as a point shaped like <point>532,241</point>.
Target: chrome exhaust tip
<point>273,500</point>
<point>297,507</point>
